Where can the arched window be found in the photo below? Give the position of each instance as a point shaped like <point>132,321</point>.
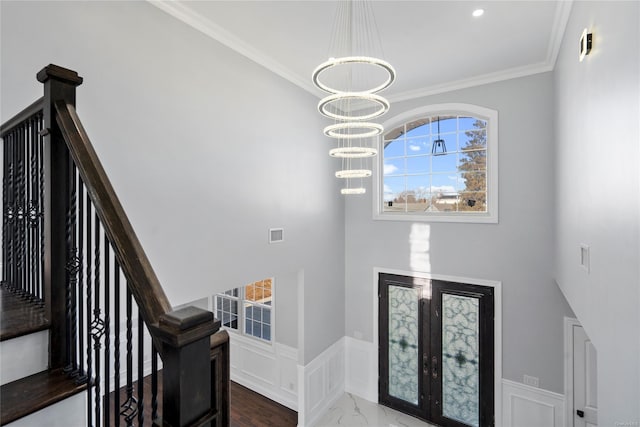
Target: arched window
<point>439,163</point>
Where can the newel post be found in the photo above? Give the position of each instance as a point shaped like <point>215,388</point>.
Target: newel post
<point>59,84</point>
<point>186,374</point>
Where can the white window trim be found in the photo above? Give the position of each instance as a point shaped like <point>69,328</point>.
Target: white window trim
<point>491,216</point>
<point>241,313</point>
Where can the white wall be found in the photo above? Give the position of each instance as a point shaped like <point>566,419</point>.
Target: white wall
<point>597,152</point>
<point>516,251</point>
<point>206,150</point>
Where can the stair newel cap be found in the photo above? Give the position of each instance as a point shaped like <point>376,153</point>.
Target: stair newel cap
<point>55,72</point>
<point>186,325</point>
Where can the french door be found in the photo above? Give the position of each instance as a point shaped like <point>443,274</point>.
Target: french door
<point>436,350</point>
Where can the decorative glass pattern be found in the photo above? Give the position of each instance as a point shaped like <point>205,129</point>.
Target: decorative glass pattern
<point>460,358</point>
<point>403,343</point>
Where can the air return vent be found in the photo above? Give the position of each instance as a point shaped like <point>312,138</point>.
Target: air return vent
<point>276,235</point>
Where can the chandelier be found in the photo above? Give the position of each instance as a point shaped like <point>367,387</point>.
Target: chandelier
<point>353,76</point>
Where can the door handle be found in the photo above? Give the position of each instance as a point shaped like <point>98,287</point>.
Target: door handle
<point>580,413</point>
<point>425,363</point>
<point>434,367</point>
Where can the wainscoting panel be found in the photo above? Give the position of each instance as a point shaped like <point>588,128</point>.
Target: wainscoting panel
<point>361,377</point>
<point>323,381</point>
<point>267,369</point>
<point>526,406</point>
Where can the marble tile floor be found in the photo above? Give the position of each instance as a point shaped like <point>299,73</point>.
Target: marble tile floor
<point>352,410</point>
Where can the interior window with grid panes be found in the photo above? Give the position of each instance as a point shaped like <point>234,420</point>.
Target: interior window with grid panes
<point>248,309</point>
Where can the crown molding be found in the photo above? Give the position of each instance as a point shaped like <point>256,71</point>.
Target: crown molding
<point>200,23</point>
<point>563,11</point>
<point>484,79</point>
<point>180,11</point>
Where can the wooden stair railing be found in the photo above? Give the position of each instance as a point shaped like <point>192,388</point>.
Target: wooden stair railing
<point>88,246</point>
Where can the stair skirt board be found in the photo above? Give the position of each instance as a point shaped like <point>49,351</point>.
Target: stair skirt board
<point>23,356</point>
<point>70,412</point>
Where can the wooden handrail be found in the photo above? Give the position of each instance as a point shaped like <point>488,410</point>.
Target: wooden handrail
<point>21,116</point>
<point>136,267</point>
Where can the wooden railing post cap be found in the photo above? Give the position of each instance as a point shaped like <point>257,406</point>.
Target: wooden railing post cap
<point>186,325</point>
<point>186,318</point>
<point>59,73</point>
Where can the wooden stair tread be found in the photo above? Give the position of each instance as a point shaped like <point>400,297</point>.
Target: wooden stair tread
<point>30,394</point>
<point>18,316</point>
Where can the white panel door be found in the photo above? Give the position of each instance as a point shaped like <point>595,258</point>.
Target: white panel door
<point>585,402</point>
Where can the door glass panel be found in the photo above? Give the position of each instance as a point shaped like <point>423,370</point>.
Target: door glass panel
<point>403,343</point>
<point>460,358</point>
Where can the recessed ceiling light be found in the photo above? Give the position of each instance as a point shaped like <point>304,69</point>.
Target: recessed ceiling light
<point>478,12</point>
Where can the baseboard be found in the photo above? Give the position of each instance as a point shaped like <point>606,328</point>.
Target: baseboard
<point>322,383</point>
<point>526,406</point>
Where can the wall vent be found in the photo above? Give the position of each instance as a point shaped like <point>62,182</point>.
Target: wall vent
<point>276,235</point>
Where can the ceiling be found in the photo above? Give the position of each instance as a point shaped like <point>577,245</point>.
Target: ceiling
<point>435,46</point>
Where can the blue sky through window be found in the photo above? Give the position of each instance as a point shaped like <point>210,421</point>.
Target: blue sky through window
<point>409,165</point>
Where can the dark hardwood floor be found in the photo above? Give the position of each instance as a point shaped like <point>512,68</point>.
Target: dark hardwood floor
<point>250,409</point>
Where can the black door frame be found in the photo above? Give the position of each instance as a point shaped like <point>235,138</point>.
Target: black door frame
<point>429,405</point>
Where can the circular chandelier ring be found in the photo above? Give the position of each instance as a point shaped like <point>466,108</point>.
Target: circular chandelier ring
<point>381,104</point>
<point>363,130</point>
<point>349,60</point>
<point>353,152</point>
<point>353,173</point>
<point>359,190</point>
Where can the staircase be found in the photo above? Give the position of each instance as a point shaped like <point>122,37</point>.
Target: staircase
<point>83,316</point>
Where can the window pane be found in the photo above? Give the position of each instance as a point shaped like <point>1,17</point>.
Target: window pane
<point>418,164</point>
<point>473,140</point>
<point>444,163</point>
<point>466,123</point>
<point>266,332</point>
<point>447,124</point>
<point>393,187</point>
<point>446,143</point>
<point>418,127</point>
<point>417,194</point>
<point>394,148</point>
<point>403,343</point>
<point>473,201</point>
<point>393,167</point>
<point>416,146</point>
<point>460,359</point>
<point>259,292</point>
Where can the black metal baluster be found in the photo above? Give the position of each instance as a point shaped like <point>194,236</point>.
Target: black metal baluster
<point>81,374</point>
<point>32,212</point>
<point>20,213</point>
<point>116,338</point>
<point>97,325</point>
<point>107,341</point>
<point>29,291</point>
<point>72,269</point>
<point>154,382</point>
<point>5,202</point>
<point>41,200</point>
<point>140,369</point>
<point>11,213</point>
<point>89,313</point>
<point>130,405</point>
